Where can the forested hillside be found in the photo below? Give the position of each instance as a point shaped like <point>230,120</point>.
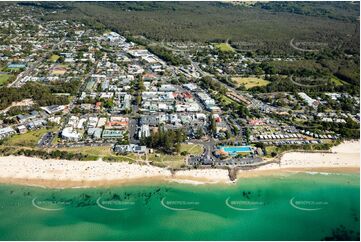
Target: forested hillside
<point>273,24</point>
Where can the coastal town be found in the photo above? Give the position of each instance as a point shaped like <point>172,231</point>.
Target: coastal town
<point>180,120</point>
<point>70,91</point>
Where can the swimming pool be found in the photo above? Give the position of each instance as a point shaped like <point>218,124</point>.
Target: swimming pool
<point>233,150</point>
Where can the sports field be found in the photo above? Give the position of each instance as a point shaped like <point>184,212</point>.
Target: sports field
<point>250,82</point>
<point>224,47</point>
<point>54,58</point>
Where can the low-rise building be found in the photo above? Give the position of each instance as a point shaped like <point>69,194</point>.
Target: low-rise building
<point>6,132</point>
<point>144,131</point>
<point>130,149</point>
<point>95,133</point>
<point>69,133</point>
<point>22,129</point>
<point>112,134</point>
<point>310,101</point>
<point>53,109</point>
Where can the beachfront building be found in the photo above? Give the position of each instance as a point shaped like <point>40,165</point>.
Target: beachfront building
<point>132,148</point>
<point>70,134</point>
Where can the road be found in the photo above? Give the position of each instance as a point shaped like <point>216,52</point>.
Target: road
<point>133,131</point>
<point>72,103</point>
<point>46,140</point>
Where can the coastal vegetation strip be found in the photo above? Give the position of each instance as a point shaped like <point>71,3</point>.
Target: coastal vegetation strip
<point>26,145</point>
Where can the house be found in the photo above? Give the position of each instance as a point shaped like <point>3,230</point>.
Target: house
<point>92,122</point>
<point>149,120</point>
<point>167,88</point>
<point>117,122</point>
<point>255,122</point>
<point>22,129</point>
<point>23,118</point>
<point>190,86</point>
<point>35,124</point>
<point>101,122</point>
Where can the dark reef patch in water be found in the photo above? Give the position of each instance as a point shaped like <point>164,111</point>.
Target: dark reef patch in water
<point>341,233</point>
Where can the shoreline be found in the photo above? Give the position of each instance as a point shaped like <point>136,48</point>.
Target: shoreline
<point>31,171</point>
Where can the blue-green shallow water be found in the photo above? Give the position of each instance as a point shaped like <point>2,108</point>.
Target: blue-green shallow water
<point>326,207</point>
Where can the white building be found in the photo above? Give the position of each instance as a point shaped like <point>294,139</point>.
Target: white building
<point>69,133</point>
<point>5,132</point>
<point>310,101</point>
<point>144,131</point>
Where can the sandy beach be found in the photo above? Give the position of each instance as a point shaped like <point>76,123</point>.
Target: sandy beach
<point>65,173</point>
<point>342,158</point>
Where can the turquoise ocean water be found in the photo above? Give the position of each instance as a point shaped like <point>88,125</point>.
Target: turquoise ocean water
<point>294,207</point>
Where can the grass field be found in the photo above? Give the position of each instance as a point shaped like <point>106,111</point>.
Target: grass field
<point>337,81</point>
<point>175,161</point>
<point>4,78</point>
<point>224,47</point>
<point>250,82</point>
<point>99,151</point>
<point>29,139</point>
<point>54,58</point>
<point>162,160</point>
<point>226,100</point>
<point>172,161</point>
<point>192,149</point>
